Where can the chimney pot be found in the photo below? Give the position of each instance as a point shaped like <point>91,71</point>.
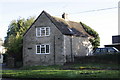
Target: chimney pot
<point>65,16</point>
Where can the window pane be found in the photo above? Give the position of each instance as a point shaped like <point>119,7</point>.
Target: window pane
<point>97,50</point>
<point>42,32</point>
<point>47,48</point>
<point>42,28</point>
<point>111,50</point>
<point>42,49</point>
<point>47,31</point>
<point>103,50</point>
<point>38,49</point>
<point>38,31</point>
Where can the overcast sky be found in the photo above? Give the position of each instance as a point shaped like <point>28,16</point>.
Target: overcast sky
<point>101,15</point>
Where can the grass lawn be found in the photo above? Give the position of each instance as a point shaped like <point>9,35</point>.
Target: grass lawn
<point>61,73</point>
<point>66,71</point>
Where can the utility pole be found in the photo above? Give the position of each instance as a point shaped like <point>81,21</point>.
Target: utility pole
<point>119,18</point>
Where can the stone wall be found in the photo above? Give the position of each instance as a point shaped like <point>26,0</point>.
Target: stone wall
<point>81,46</point>
<point>76,46</point>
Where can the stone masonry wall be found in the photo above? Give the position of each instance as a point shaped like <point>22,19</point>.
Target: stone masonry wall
<point>76,46</point>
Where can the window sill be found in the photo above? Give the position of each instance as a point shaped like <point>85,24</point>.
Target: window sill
<point>42,36</point>
<point>42,53</point>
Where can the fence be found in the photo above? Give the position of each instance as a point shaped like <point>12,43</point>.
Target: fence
<point>106,58</point>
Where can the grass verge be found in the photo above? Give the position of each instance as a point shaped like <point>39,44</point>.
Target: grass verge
<point>66,71</point>
<point>61,73</point>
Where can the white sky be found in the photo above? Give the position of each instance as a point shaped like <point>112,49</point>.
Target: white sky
<point>105,22</point>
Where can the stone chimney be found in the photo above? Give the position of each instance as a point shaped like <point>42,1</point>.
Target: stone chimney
<point>65,16</point>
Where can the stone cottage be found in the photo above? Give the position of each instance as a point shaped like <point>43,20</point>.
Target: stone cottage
<point>54,41</point>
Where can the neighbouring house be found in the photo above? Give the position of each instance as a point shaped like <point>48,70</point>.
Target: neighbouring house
<point>115,42</point>
<point>54,41</point>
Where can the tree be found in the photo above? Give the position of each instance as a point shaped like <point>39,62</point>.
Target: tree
<point>96,40</point>
<point>13,41</point>
<point>1,42</point>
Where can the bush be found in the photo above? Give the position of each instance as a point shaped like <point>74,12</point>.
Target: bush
<point>4,57</point>
<point>96,40</point>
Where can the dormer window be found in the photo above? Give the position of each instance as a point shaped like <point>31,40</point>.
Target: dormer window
<point>42,31</point>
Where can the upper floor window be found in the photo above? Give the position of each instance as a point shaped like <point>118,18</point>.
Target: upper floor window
<point>42,31</point>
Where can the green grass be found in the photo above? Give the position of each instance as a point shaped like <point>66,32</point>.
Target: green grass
<point>52,67</point>
<point>66,71</point>
<point>74,67</point>
<point>61,73</point>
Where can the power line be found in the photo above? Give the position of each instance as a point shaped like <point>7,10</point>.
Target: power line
<point>95,10</point>
<point>102,9</point>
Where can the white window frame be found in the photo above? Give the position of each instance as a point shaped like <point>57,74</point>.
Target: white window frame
<point>40,29</point>
<point>45,49</point>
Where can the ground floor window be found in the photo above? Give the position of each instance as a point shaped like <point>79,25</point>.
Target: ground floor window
<point>43,49</point>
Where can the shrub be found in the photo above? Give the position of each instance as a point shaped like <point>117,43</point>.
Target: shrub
<point>96,40</point>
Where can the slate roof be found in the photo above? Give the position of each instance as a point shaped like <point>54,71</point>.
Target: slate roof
<point>67,27</point>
